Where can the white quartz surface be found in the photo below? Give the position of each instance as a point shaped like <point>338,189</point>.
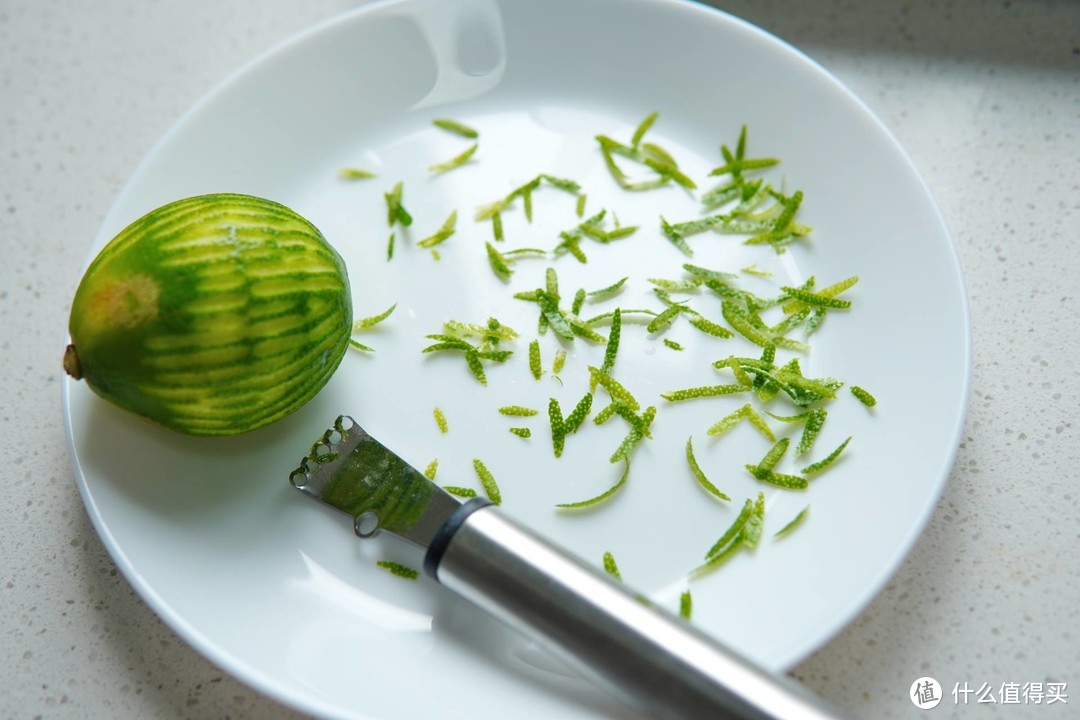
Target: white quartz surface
<point>984,95</point>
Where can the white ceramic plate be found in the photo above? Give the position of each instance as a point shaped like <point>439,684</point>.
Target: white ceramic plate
<point>277,591</point>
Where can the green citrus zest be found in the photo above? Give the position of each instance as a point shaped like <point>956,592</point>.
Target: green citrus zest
<point>402,571</point>
<point>699,474</point>
<point>795,522</point>
<point>491,489</point>
<point>456,127</point>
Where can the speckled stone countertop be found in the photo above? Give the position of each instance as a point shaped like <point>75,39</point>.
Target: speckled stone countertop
<point>984,95</point>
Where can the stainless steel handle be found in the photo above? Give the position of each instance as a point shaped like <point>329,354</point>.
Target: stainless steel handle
<point>641,652</point>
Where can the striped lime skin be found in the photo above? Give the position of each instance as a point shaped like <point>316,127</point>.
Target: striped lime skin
<point>212,315</point>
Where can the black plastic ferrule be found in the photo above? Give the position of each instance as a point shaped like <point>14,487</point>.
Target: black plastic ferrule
<point>446,533</point>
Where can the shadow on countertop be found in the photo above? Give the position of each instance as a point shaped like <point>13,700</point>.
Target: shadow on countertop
<point>1035,33</point>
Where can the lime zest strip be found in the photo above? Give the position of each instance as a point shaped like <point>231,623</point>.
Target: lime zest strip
<point>442,234</point>
<point>615,389</point>
<point>449,344</point>
<point>579,300</point>
<point>638,431</point>
<point>815,299</point>
<point>686,605</point>
<point>795,304</point>
<point>502,263</point>
<point>581,330</point>
<point>752,532</point>
<point>788,482</point>
<point>556,319</point>
<point>718,559</point>
<point>499,263</point>
<point>460,491</point>
<point>690,285</point>
<point>764,469</point>
<point>801,417</point>
<point>555,420</point>
<point>609,290</point>
<point>754,418</point>
<point>610,567</point>
<point>551,283</point>
<point>677,238</point>
<point>440,420</point>
<point>395,211</point>
<point>568,186</point>
<point>456,127</point>
<point>736,164</point>
<point>641,424</point>
<point>366,323</point>
<point>431,469</point>
<point>620,177</point>
<point>652,156</point>
<point>663,321</point>
<point>707,326</point>
<point>580,412</point>
<point>611,350</point>
<point>782,229</point>
<point>706,274</point>
<point>745,532</point>
<point>491,333</point>
<point>602,496</point>
<point>454,162</point>
<point>491,488</point>
<point>753,269</point>
<point>732,532</point>
<point>740,321</point>
<point>591,228</point>
<point>521,432</point>
<point>814,422</point>
<point>795,319</point>
<point>699,474</point>
<point>493,210</point>
<point>622,311</point>
<point>402,571</point>
<point>816,318</point>
<point>473,354</point>
<point>559,362</point>
<point>351,173</point>
<point>725,423</point>
<point>703,392</point>
<point>472,359</point>
<point>825,462</point>
<point>534,359</point>
<point>773,456</point>
<point>751,415</point>
<point>606,414</point>
<point>795,522</point>
<point>863,396</point>
<point>802,390</point>
<point>642,128</point>
<point>517,411</point>
<point>736,369</point>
